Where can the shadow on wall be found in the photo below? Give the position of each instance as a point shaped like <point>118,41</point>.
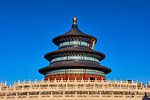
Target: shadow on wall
<point>146,97</point>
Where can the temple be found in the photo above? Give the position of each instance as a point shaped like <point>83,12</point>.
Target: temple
<point>75,57</point>
<point>74,73</point>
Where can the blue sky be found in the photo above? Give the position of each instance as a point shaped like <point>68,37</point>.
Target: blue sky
<point>27,28</point>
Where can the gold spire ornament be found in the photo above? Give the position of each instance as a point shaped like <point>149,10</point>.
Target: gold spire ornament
<point>74,20</point>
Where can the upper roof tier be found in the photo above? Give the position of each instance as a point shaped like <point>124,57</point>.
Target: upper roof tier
<point>74,34</point>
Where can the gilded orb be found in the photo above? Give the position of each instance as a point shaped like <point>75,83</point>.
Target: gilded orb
<point>74,20</point>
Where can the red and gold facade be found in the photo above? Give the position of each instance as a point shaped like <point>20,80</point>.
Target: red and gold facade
<point>75,57</point>
<point>79,74</point>
<point>73,76</point>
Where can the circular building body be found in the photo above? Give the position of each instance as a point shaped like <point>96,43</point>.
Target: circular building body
<point>75,57</point>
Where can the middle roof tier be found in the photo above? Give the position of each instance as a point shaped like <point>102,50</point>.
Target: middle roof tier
<point>83,53</point>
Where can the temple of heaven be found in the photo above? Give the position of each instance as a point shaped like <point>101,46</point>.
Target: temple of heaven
<point>75,57</point>
<point>74,73</point>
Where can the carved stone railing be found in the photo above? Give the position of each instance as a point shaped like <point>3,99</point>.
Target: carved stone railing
<point>74,89</point>
<point>74,84</point>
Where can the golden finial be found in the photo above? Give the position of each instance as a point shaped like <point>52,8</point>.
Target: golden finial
<point>74,20</point>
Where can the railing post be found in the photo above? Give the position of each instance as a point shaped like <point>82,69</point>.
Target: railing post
<point>29,81</point>
<point>131,81</point>
<point>126,81</point>
<point>24,81</point>
<point>42,81</point>
<point>5,83</point>
<point>18,81</point>
<point>141,84</point>
<point>1,83</point>
<point>108,80</point>
<point>114,80</point>
<point>148,83</point>
<point>14,87</point>
<point>120,80</point>
<point>35,80</point>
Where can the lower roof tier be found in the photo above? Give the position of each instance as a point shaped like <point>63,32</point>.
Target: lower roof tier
<point>74,64</point>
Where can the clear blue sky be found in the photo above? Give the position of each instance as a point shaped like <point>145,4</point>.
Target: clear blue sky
<point>27,28</point>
